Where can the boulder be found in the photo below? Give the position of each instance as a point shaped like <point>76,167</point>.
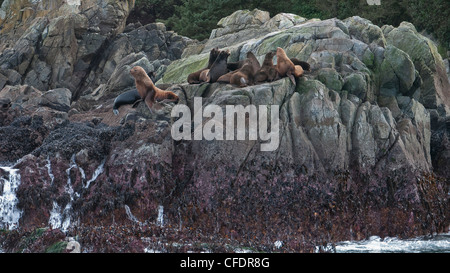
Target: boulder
<point>58,99</point>
<point>435,88</point>
<point>356,84</point>
<point>397,73</point>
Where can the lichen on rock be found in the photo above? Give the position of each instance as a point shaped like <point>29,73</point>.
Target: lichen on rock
<point>363,136</point>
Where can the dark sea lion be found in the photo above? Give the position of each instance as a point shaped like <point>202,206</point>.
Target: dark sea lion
<point>305,66</point>
<point>148,91</point>
<point>219,67</point>
<point>195,76</point>
<point>128,97</point>
<point>235,65</point>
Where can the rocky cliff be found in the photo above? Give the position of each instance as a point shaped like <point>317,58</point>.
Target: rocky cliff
<point>363,137</point>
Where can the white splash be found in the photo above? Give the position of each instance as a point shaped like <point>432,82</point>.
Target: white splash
<point>61,218</point>
<point>160,220</point>
<point>438,243</point>
<point>9,213</point>
<point>130,215</point>
<point>49,170</point>
<point>97,172</point>
<point>278,244</point>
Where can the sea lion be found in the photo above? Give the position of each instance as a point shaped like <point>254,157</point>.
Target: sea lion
<point>235,65</point>
<point>244,76</point>
<point>204,75</point>
<point>285,67</point>
<point>254,62</point>
<point>298,71</point>
<point>305,66</point>
<point>226,78</point>
<point>148,91</point>
<point>219,67</point>
<point>268,71</point>
<point>195,77</point>
<point>128,97</point>
<point>300,67</point>
<point>251,60</point>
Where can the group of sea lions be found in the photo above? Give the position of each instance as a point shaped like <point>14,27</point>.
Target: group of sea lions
<point>242,73</point>
<point>249,71</point>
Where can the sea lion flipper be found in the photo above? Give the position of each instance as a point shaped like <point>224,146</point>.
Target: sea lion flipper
<point>135,104</point>
<point>292,78</point>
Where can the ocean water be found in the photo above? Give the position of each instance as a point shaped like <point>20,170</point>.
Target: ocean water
<point>439,243</point>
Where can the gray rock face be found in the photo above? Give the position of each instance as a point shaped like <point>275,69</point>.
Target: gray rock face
<point>363,137</point>
<point>78,45</point>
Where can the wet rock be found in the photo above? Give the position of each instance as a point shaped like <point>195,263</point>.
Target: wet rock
<point>21,137</point>
<point>73,246</point>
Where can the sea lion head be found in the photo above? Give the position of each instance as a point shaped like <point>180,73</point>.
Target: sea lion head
<point>215,51</point>
<point>213,54</point>
<point>269,56</point>
<point>138,72</point>
<point>223,55</point>
<point>280,53</point>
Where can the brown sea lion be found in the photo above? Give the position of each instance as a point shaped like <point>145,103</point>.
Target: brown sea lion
<point>226,78</point>
<point>298,71</point>
<point>148,91</point>
<point>244,76</point>
<point>195,76</point>
<point>268,71</point>
<point>204,75</point>
<point>251,60</point>
<point>285,67</point>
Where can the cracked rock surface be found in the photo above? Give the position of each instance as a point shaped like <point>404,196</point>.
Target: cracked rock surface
<point>363,138</point>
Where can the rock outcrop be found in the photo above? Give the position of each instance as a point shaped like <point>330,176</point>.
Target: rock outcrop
<point>363,138</point>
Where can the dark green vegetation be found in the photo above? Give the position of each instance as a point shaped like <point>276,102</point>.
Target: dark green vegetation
<point>196,18</point>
